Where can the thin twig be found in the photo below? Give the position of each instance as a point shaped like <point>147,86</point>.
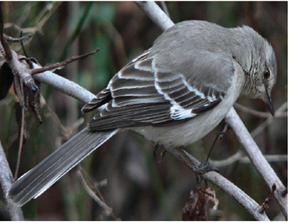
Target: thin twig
<point>62,64</point>
<point>252,111</point>
<point>269,120</point>
<point>55,118</point>
<point>22,46</point>
<point>44,15</point>
<point>64,85</point>
<point>72,128</point>
<point>20,146</point>
<point>239,157</point>
<point>255,112</point>
<point>88,7</point>
<point>17,39</point>
<point>93,192</point>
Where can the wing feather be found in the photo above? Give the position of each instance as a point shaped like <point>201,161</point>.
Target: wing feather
<point>134,116</point>
<point>131,83</point>
<point>126,101</point>
<point>142,93</point>
<point>138,92</point>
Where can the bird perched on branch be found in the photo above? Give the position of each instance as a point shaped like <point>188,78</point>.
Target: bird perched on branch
<point>174,94</point>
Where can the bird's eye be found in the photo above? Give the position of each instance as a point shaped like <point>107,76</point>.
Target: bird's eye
<point>266,75</point>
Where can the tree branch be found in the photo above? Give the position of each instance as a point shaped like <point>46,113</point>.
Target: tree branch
<point>251,206</point>
<point>64,85</point>
<point>269,120</point>
<point>258,113</point>
<point>6,181</point>
<point>239,157</point>
<point>156,14</point>
<point>257,159</point>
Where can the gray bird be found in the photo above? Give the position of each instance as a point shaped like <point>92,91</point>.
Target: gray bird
<point>174,94</point>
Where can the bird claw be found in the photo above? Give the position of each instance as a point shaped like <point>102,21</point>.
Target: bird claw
<point>205,167</point>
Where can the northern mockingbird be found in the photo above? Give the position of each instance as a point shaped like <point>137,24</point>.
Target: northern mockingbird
<point>174,94</point>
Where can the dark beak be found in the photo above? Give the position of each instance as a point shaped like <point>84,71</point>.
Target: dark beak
<point>269,103</point>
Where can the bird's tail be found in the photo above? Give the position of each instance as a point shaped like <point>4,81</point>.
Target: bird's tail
<point>37,180</point>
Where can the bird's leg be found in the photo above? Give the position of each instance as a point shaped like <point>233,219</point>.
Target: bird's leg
<point>201,168</point>
<point>205,166</point>
<point>159,153</point>
<point>220,135</point>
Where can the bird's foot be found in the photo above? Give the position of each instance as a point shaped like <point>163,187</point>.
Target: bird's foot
<point>205,167</point>
<point>201,169</point>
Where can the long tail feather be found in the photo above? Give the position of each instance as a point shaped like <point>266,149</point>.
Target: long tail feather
<point>37,180</point>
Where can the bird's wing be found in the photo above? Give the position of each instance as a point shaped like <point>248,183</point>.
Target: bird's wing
<point>146,92</point>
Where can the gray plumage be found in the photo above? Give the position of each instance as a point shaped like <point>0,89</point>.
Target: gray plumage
<point>46,173</point>
<point>169,78</point>
<point>173,94</point>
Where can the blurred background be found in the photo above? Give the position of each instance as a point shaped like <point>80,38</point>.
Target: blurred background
<point>132,183</point>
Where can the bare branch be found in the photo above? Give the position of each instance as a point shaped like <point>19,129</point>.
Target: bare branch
<point>17,40</point>
<point>93,191</point>
<point>269,120</point>
<point>165,8</point>
<point>6,179</point>
<point>251,206</point>
<point>252,111</point>
<point>257,158</point>
<point>239,157</point>
<point>20,145</point>
<point>156,14</point>
<point>64,85</point>
<point>61,64</point>
<point>20,70</point>
<point>257,113</point>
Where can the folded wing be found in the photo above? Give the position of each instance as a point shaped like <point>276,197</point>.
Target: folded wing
<point>144,93</point>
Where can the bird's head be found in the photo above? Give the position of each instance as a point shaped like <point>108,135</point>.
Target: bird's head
<point>262,74</point>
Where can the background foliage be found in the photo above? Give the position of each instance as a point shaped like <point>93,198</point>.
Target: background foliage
<point>130,179</point>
